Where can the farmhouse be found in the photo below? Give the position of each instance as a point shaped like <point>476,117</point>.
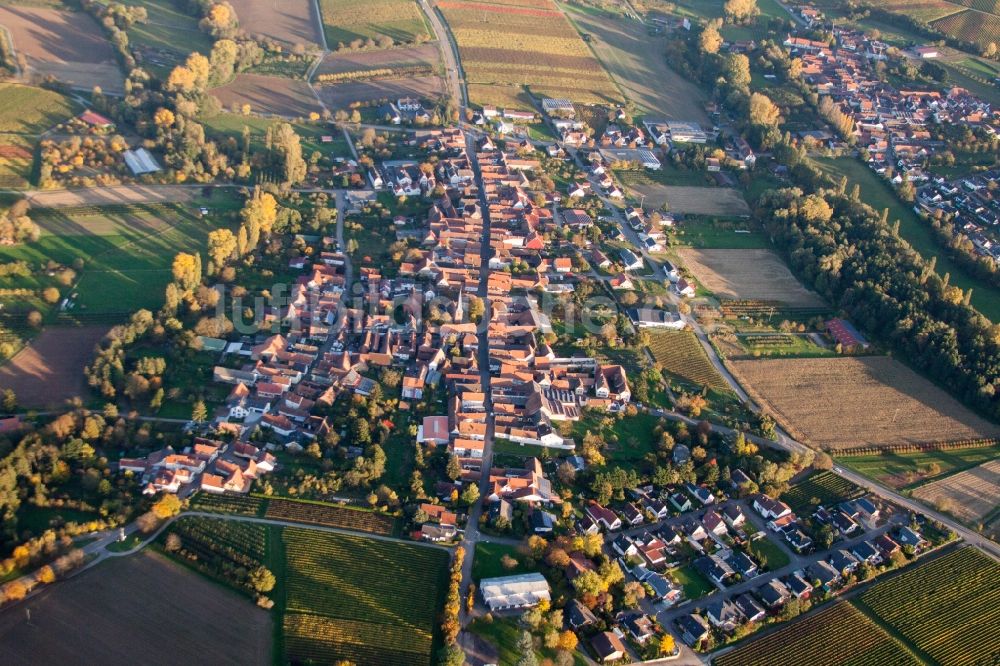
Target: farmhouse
<point>521,591</point>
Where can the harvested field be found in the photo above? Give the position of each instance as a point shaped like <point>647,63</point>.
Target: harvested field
<point>844,402</point>
<point>747,274</point>
<point>514,97</point>
<point>289,21</point>
<point>50,369</point>
<point>136,605</point>
<point>534,46</point>
<point>269,95</point>
<point>723,201</point>
<point>634,58</point>
<point>342,95</point>
<point>66,45</point>
<point>969,496</point>
<point>107,196</point>
<point>349,61</point>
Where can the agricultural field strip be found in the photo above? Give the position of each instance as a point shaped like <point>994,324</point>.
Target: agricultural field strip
<point>680,353</point>
<point>826,487</point>
<point>344,599</point>
<point>854,401</point>
<point>948,608</point>
<point>836,636</point>
<point>971,495</point>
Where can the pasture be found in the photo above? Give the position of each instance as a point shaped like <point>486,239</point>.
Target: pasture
<point>49,371</point>
<point>343,95</point>
<point>834,636</point>
<point>167,37</point>
<point>691,200</point>
<point>531,46</point>
<point>843,402</point>
<point>66,45</point>
<point>362,600</point>
<point>681,354</point>
<point>126,249</point>
<point>948,609</point>
<point>634,59</point>
<point>26,112</point>
<point>747,274</point>
<point>142,602</point>
<point>970,496</point>
<point>899,469</point>
<point>345,21</point>
<point>289,21</point>
<point>268,95</point>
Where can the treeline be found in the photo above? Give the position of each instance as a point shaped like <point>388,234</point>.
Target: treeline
<point>851,256</point>
<point>373,74</point>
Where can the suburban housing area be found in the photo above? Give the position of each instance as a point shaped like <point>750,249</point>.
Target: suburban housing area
<point>516,332</point>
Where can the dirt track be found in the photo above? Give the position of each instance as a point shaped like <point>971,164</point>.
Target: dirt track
<point>138,609</point>
<point>50,370</point>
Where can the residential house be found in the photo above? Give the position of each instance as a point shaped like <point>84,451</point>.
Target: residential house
<point>608,647</point>
<point>723,614</point>
<point>603,516</point>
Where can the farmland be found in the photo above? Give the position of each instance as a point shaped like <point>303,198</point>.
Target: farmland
<point>343,95</point>
<point>367,601</point>
<point>750,274</point>
<point>971,26</point>
<point>330,515</point>
<point>288,21</point>
<point>835,636</point>
<point>690,200</point>
<point>505,45</point>
<point>50,369</point>
<point>352,61</point>
<point>143,600</point>
<point>235,504</point>
<point>402,21</point>
<point>820,489</point>
<point>843,402</point>
<point>922,10</point>
<point>268,95</point>
<point>66,45</point>
<point>26,112</point>
<point>715,233</point>
<point>948,609</point>
<point>970,496</point>
<point>634,59</point>
<point>899,469</point>
<point>680,354</point>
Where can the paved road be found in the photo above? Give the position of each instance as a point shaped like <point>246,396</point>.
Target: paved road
<point>449,51</point>
<point>472,536</point>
